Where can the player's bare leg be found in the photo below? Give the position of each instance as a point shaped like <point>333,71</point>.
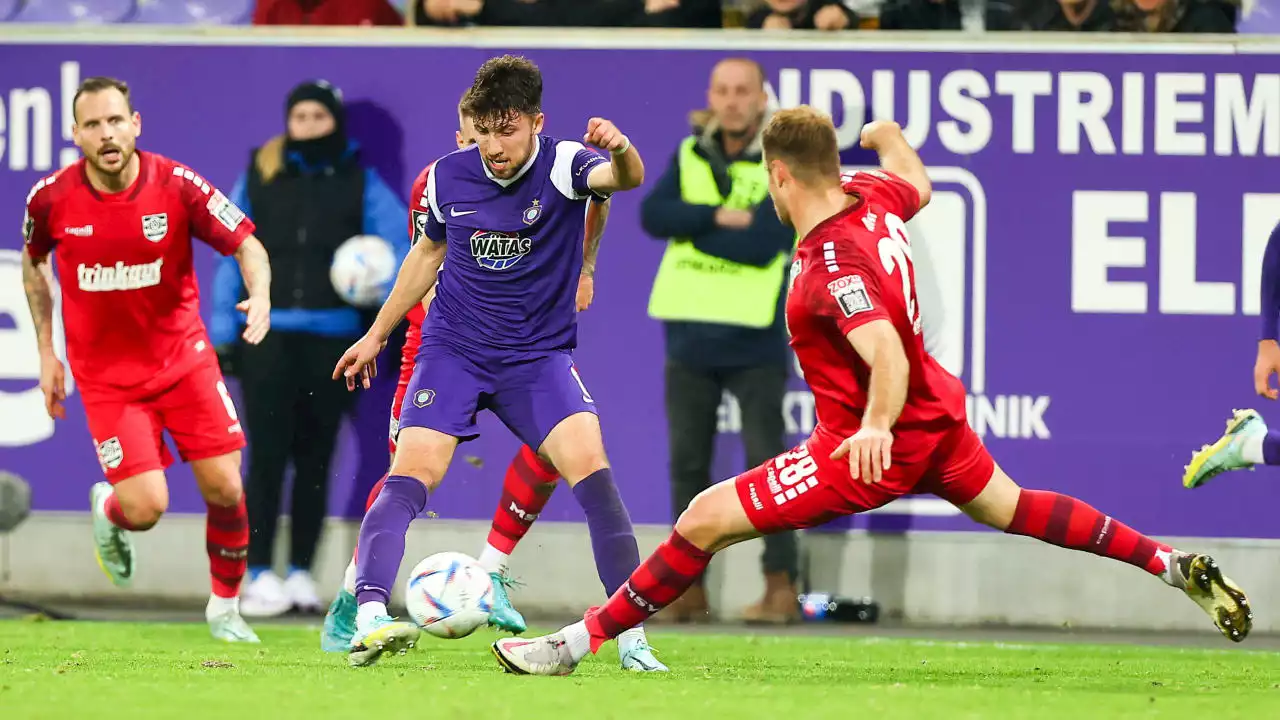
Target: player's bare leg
<point>1067,522</point>
<point>227,541</point>
<point>576,447</point>
<point>1246,443</point>
<point>422,457</point>
<point>712,522</point>
<point>134,504</point>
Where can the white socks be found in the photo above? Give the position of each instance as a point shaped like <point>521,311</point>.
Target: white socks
<point>579,639</point>
<point>349,578</point>
<point>493,560</point>
<point>220,606</point>
<point>1251,448</point>
<point>369,611</point>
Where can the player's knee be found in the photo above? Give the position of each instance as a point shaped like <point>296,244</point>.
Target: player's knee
<point>224,494</point>
<point>219,479</point>
<point>144,510</point>
<point>706,522</point>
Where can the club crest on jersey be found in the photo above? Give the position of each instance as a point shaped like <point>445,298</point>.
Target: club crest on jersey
<point>423,398</point>
<point>495,250</point>
<point>532,213</point>
<point>851,294</point>
<point>155,227</point>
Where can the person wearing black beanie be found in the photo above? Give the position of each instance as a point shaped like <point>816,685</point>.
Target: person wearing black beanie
<point>307,192</point>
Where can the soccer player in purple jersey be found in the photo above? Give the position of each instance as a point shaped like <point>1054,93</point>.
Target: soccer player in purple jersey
<point>508,216</point>
<point>1247,441</point>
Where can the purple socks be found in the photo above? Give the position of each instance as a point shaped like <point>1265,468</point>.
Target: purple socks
<point>382,537</point>
<point>1271,447</point>
<point>612,540</point>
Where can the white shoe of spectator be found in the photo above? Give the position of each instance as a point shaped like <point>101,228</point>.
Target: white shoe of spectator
<point>265,596</point>
<point>301,591</point>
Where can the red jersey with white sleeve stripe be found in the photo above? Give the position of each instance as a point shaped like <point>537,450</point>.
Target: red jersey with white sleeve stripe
<point>130,300</point>
<point>853,268</point>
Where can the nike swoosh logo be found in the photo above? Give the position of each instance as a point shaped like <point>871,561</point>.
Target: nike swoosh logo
<point>453,212</point>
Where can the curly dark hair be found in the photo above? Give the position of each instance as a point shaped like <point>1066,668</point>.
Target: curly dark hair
<point>504,88</point>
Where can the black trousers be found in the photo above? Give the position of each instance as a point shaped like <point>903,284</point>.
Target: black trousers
<point>293,410</point>
<point>693,396</point>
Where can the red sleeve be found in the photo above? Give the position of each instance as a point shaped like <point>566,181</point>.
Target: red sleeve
<point>214,218</point>
<point>35,221</point>
<point>418,206</point>
<point>388,15</point>
<point>850,296</point>
<point>895,194</point>
<point>262,12</point>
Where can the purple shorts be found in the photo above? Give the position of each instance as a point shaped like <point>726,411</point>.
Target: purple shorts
<point>530,395</point>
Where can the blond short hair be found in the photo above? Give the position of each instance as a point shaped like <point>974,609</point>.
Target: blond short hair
<point>805,141</point>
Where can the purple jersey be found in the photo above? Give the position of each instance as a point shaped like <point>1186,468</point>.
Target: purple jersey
<point>514,248</point>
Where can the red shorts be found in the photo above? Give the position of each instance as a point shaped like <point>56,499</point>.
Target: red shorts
<point>197,411</point>
<point>412,340</point>
<point>805,488</point>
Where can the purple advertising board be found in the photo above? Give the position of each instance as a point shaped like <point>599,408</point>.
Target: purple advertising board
<point>1095,238</point>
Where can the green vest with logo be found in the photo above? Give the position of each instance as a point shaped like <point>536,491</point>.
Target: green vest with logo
<point>693,286</point>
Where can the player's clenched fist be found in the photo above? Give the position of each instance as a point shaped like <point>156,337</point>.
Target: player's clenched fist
<point>360,360</point>
<point>53,383</point>
<point>605,135</point>
<point>1268,364</point>
<point>869,452</point>
<point>586,291</point>
<point>875,132</point>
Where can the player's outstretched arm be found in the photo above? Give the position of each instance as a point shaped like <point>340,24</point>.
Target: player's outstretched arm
<point>417,276</point>
<point>255,268</point>
<point>897,156</point>
<point>870,449</point>
<point>625,171</point>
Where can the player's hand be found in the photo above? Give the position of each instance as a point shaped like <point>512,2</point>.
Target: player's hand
<point>53,383</point>
<point>360,361</point>
<point>1268,364</point>
<point>656,6</point>
<point>734,219</point>
<point>468,8</point>
<point>586,291</point>
<point>257,318</point>
<point>831,17</point>
<point>776,22</point>
<point>874,133</point>
<point>604,135</point>
<point>869,452</point>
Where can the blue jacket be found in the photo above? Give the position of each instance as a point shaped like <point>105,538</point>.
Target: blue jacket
<point>384,215</point>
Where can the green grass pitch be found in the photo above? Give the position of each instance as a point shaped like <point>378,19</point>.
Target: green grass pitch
<point>97,670</point>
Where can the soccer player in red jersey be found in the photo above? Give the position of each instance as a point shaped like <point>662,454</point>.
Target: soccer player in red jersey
<point>891,420</point>
<point>119,224</point>
<point>529,480</point>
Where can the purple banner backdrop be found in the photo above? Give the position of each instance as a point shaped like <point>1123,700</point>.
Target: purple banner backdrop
<point>1096,236</point>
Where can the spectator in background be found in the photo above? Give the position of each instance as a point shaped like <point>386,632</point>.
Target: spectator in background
<point>307,193</point>
<point>569,13</point>
<point>1176,16</point>
<point>803,15</point>
<point>1051,15</point>
<point>719,293</point>
<point>920,15</point>
<point>326,12</point>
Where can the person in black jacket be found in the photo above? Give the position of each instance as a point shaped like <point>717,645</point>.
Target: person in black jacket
<point>712,207</point>
<point>308,193</point>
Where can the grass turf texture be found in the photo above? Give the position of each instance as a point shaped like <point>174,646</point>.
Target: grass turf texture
<point>140,671</point>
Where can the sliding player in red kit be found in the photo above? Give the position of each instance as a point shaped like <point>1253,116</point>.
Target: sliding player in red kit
<point>891,420</point>
<point>119,225</point>
<point>529,480</point>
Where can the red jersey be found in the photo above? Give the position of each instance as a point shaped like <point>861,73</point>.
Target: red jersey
<point>130,301</point>
<point>855,267</point>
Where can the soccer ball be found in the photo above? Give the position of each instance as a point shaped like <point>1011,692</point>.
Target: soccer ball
<point>363,269</point>
<point>449,595</point>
